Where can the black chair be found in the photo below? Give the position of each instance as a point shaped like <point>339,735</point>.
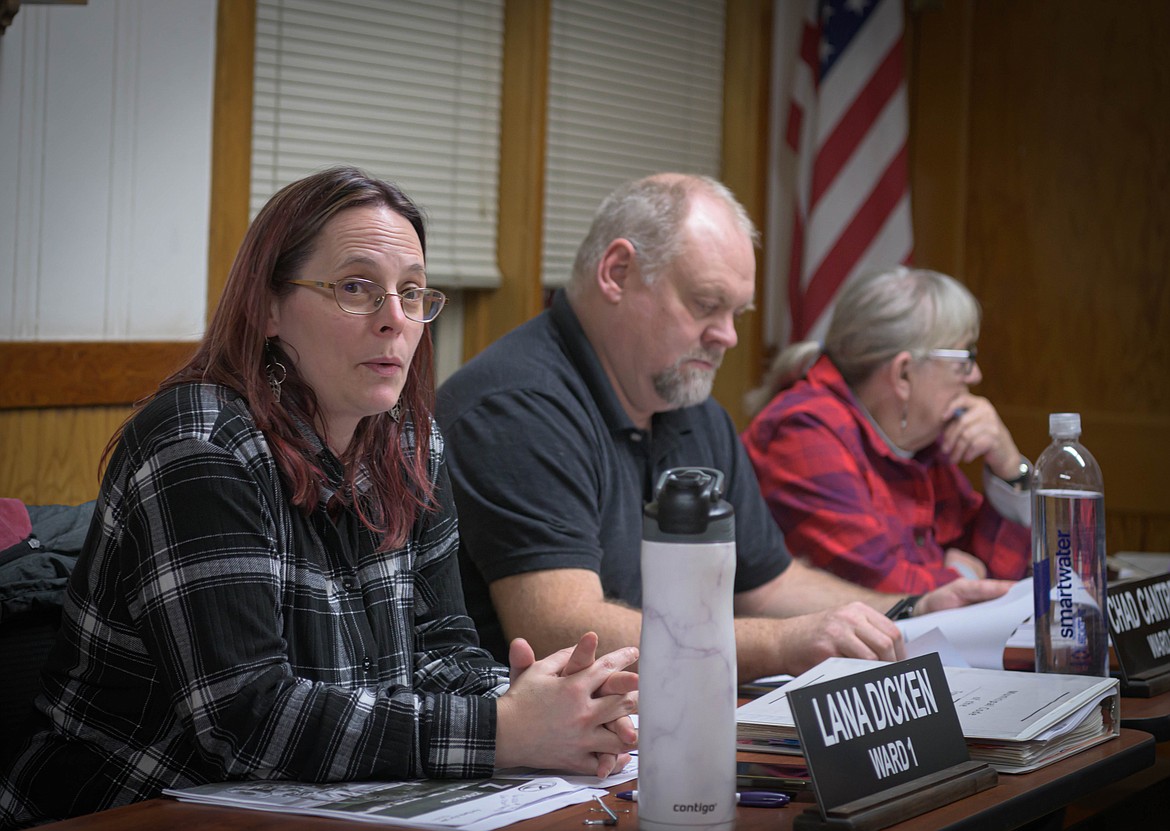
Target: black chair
<point>25,641</point>
<point>33,577</point>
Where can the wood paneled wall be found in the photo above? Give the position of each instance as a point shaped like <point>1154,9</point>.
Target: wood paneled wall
<point>1038,179</point>
<point>747,65</point>
<point>61,402</point>
<point>50,436</point>
<point>1041,180</point>
<point>523,107</point>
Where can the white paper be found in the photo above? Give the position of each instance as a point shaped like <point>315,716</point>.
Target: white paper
<point>630,771</point>
<point>978,633</point>
<point>1015,721</point>
<point>1024,637</point>
<point>470,805</point>
<point>933,640</point>
<point>1139,564</point>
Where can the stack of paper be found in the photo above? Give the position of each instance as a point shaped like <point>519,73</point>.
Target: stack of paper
<point>1014,721</point>
<point>469,805</point>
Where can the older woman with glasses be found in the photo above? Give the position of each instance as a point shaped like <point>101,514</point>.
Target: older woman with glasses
<point>857,449</point>
<point>269,589</point>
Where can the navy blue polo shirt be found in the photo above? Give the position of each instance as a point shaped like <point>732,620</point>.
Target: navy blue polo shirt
<point>549,472</point>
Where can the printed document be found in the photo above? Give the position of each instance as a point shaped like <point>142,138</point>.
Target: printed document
<point>972,635</point>
<point>441,804</point>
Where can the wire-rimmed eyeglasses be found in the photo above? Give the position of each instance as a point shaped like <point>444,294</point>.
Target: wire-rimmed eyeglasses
<point>967,356</point>
<point>364,297</point>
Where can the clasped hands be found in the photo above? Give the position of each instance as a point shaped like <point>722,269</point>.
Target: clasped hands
<point>569,711</point>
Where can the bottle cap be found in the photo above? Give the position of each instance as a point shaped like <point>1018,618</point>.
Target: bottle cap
<point>1062,425</point>
<point>687,503</point>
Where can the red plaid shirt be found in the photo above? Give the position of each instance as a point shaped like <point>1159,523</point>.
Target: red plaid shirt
<point>850,505</point>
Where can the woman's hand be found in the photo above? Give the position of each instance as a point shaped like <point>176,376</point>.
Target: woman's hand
<point>979,432</point>
<point>569,711</point>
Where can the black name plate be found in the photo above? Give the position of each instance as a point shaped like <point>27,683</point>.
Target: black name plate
<point>877,729</point>
<point>1139,622</point>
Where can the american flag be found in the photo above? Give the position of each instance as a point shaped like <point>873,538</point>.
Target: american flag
<point>847,124</point>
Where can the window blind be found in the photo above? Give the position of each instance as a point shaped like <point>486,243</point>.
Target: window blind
<point>407,91</point>
<point>635,87</point>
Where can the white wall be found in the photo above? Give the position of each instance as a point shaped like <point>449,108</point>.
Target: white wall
<point>105,170</point>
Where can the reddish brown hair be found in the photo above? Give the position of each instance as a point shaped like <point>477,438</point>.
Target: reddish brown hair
<point>234,353</point>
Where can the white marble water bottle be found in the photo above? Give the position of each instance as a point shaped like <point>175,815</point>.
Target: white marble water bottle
<point>686,671</point>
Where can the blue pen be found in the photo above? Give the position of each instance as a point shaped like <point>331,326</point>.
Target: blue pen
<point>749,799</point>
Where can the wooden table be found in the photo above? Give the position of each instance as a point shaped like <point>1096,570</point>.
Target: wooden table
<point>1017,799</point>
<point>1149,714</point>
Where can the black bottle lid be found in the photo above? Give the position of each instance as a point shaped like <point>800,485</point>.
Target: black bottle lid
<point>688,507</point>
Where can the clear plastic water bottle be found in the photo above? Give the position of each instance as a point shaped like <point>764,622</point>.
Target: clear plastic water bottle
<point>687,669</point>
<point>1068,554</point>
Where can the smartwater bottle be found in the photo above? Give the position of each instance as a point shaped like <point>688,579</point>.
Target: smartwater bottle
<point>1068,554</point>
<point>687,672</point>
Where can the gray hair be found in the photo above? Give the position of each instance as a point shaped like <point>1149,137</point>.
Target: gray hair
<point>876,316</point>
<point>651,213</point>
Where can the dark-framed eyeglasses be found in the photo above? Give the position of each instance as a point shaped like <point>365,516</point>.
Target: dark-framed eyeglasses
<point>967,356</point>
<point>359,296</point>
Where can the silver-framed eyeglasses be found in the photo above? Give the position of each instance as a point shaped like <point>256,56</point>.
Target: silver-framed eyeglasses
<point>967,356</point>
<point>364,297</point>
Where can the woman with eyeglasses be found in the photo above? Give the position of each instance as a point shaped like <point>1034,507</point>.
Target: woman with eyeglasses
<point>269,589</point>
<point>858,444</point>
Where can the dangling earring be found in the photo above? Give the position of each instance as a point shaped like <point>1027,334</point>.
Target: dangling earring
<point>905,413</point>
<point>275,371</point>
<point>396,412</point>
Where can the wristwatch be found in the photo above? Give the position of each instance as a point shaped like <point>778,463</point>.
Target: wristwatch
<point>1023,478</point>
<point>904,608</point>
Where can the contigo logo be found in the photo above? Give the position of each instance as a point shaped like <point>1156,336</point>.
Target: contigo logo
<point>695,808</point>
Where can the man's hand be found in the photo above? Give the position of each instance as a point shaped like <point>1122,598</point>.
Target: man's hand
<point>855,630</point>
<point>962,593</point>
